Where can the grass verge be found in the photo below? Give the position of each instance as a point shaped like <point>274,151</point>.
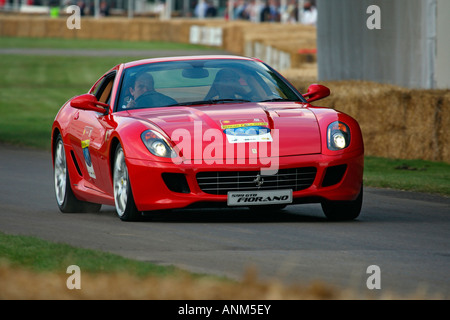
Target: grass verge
<point>411,175</point>
<point>32,268</point>
<point>44,256</point>
<point>100,44</point>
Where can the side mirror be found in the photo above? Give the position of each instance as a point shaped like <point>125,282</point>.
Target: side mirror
<point>89,102</point>
<point>316,92</point>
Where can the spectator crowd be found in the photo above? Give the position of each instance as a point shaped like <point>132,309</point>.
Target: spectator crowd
<point>274,11</point>
<point>286,11</point>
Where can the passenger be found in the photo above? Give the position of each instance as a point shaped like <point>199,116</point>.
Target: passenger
<point>226,86</point>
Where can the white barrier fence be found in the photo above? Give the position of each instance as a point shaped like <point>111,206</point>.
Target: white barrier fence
<point>277,59</point>
<point>210,36</point>
<point>213,36</point>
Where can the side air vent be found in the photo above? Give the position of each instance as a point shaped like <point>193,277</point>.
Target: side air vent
<point>334,175</point>
<point>176,182</point>
<point>74,159</point>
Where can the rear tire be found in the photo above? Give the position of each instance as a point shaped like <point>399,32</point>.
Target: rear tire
<point>343,210</point>
<point>123,195</point>
<point>65,198</point>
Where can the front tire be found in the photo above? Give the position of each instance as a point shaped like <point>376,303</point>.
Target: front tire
<point>123,196</point>
<point>343,210</point>
<point>65,198</point>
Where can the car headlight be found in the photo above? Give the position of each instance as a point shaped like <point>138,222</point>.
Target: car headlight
<point>338,136</point>
<point>157,144</point>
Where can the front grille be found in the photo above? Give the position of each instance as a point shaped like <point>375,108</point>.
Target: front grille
<point>220,182</point>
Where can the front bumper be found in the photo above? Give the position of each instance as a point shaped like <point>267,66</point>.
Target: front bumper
<point>151,191</point>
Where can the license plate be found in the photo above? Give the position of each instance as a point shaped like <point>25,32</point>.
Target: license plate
<point>258,198</point>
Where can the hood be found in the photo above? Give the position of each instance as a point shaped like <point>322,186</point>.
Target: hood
<point>248,129</point>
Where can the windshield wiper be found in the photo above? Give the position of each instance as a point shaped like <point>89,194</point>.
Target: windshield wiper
<point>228,100</point>
<point>200,102</point>
<point>279,99</point>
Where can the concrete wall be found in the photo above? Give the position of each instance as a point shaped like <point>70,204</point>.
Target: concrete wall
<point>443,44</point>
<point>410,49</point>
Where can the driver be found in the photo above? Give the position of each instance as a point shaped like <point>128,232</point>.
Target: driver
<point>144,95</point>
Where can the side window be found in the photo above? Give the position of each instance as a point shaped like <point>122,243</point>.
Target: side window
<point>103,91</point>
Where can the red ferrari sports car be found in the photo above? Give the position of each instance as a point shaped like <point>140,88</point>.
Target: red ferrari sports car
<point>179,132</point>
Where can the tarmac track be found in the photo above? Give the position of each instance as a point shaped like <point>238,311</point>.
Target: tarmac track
<point>406,234</point>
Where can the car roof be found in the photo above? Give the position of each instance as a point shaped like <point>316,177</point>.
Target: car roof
<point>184,58</point>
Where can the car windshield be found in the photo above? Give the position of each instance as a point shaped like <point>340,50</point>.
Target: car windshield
<point>201,82</point>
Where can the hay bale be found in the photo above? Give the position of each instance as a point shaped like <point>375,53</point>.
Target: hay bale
<point>233,39</point>
<point>129,30</point>
<point>148,30</point>
<point>57,28</point>
<point>38,28</point>
<point>182,32</point>
<point>158,30</point>
<point>443,121</point>
<point>23,28</point>
<point>176,31</point>
<point>420,116</point>
<point>9,27</point>
<point>106,29</point>
<point>87,30</point>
